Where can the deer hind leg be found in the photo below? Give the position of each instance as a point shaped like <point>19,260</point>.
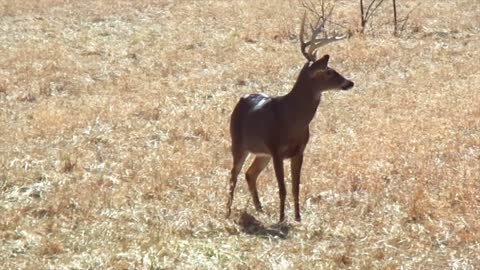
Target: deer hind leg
<point>278,166</point>
<point>255,169</point>
<point>238,160</point>
<point>296,167</point>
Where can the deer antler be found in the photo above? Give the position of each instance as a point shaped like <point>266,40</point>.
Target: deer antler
<point>314,43</point>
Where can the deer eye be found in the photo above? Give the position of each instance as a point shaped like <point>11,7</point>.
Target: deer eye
<point>329,72</point>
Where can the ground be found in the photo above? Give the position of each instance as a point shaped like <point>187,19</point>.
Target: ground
<point>115,149</point>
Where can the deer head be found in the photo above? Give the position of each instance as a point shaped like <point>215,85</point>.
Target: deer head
<point>316,72</point>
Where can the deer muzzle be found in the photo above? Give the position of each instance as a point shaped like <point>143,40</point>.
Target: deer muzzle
<point>346,85</point>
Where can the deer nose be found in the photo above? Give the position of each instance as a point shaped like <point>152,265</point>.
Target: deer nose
<point>346,85</point>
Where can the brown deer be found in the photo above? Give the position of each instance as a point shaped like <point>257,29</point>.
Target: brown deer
<point>278,127</point>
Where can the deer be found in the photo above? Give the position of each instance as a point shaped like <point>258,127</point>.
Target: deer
<point>277,128</point>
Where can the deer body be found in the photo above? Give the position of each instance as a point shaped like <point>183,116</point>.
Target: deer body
<point>277,128</point>
<point>265,125</point>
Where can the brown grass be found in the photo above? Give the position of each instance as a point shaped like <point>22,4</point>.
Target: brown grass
<point>114,150</point>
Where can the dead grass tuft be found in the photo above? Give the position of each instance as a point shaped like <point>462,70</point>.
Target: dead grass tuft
<point>50,248</point>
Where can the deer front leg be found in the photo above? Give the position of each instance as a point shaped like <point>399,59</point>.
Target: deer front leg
<point>278,166</point>
<point>296,167</point>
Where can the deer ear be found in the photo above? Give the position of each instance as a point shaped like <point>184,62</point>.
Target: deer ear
<point>322,63</point>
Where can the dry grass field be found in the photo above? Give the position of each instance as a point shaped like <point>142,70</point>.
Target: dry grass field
<point>115,149</point>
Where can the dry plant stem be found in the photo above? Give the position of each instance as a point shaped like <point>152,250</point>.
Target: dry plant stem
<point>394,17</point>
<point>367,15</point>
<point>405,19</point>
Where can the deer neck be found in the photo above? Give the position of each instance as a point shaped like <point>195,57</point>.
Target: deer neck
<point>302,102</point>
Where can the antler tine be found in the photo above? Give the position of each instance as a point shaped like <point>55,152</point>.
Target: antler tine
<point>303,44</point>
<point>316,42</point>
<point>319,27</point>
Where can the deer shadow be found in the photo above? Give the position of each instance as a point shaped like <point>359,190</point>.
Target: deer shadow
<point>250,225</point>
